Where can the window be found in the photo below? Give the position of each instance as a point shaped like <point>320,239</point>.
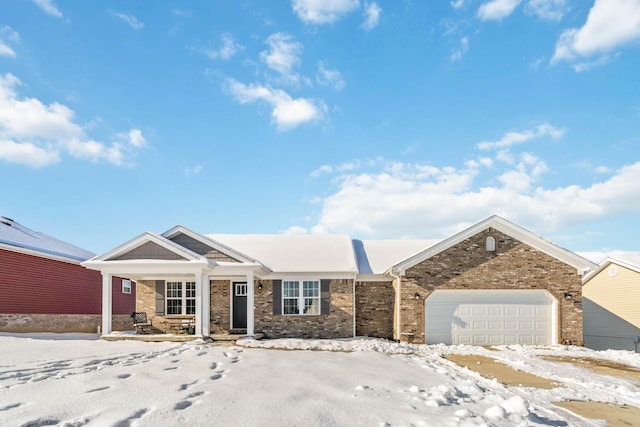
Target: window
<point>301,297</point>
<point>241,289</point>
<point>126,286</point>
<point>181,298</point>
<point>490,244</point>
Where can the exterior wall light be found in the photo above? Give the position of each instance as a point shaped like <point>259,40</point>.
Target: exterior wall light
<point>260,286</point>
<point>417,296</point>
<point>568,296</point>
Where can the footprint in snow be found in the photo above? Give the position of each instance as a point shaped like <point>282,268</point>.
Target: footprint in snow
<point>171,368</point>
<point>41,422</point>
<point>128,421</point>
<point>182,405</point>
<point>216,377</point>
<point>93,390</point>
<point>12,406</point>
<point>186,386</point>
<point>124,376</point>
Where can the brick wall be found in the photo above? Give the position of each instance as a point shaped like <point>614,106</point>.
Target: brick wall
<point>374,309</point>
<point>60,322</point>
<point>220,306</point>
<point>337,324</point>
<point>513,265</point>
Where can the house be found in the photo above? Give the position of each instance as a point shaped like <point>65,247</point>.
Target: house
<point>43,287</point>
<point>493,283</point>
<point>611,306</point>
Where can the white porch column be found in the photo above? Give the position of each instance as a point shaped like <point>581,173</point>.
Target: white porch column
<point>250,304</point>
<point>199,303</point>
<point>107,303</point>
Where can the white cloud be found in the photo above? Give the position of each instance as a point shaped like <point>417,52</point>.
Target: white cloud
<point>35,134</point>
<point>497,9</point>
<point>323,11</point>
<point>7,37</point>
<point>283,55</point>
<point>193,170</point>
<point>457,53</point>
<point>295,229</point>
<point>409,200</point>
<point>610,25</point>
<point>551,10</point>
<point>512,138</point>
<point>329,77</point>
<point>602,169</point>
<point>48,7</point>
<point>457,4</point>
<point>227,50</point>
<point>372,15</point>
<point>322,170</point>
<point>131,20</point>
<point>287,112</point>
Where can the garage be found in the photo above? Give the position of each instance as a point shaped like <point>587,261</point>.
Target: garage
<point>490,317</point>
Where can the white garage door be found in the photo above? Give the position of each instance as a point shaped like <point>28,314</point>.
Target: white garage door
<point>489,317</point>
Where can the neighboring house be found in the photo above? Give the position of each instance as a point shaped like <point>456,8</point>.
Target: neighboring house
<point>611,306</point>
<point>43,287</point>
<point>494,283</point>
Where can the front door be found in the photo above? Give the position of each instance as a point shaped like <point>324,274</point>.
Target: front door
<point>239,305</point>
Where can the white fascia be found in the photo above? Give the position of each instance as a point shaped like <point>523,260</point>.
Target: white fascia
<point>39,254</point>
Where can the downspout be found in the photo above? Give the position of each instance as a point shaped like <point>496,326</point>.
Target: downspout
<point>398,323</point>
<point>354,305</point>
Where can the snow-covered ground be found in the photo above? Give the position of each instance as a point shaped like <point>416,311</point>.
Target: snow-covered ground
<point>76,380</point>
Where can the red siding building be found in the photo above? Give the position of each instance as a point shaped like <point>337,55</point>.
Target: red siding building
<point>43,287</point>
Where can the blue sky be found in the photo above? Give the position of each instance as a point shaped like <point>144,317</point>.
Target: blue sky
<point>381,119</point>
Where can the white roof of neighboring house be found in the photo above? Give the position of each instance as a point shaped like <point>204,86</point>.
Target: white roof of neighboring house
<point>295,252</point>
<point>22,239</point>
<point>377,256</point>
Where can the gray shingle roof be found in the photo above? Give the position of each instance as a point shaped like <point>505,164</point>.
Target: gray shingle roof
<point>14,234</point>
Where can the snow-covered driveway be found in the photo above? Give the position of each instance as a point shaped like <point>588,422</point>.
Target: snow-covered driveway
<point>75,380</point>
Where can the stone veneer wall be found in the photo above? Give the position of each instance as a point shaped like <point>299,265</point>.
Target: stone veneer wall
<point>374,309</point>
<point>61,322</point>
<point>513,265</point>
<point>337,324</point>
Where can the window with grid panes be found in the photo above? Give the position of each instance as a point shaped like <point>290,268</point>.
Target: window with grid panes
<point>301,297</point>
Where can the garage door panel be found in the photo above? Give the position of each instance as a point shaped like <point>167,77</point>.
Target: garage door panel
<point>489,317</point>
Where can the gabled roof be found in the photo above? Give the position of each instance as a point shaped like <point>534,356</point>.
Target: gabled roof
<point>183,253</point>
<point>506,227</point>
<point>631,265</point>
<point>295,253</point>
<point>378,256</point>
<point>15,236</point>
<point>232,253</point>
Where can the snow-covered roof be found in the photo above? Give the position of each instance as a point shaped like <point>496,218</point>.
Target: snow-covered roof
<point>377,256</point>
<point>295,252</point>
<point>23,239</point>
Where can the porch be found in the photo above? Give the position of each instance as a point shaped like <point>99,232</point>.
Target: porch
<point>213,338</point>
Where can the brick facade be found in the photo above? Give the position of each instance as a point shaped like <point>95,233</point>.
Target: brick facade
<point>220,306</point>
<point>513,265</point>
<point>60,323</point>
<point>337,324</point>
<point>375,303</point>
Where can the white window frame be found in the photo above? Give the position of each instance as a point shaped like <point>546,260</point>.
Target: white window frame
<point>490,244</point>
<point>186,294</point>
<point>126,286</point>
<point>301,298</point>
